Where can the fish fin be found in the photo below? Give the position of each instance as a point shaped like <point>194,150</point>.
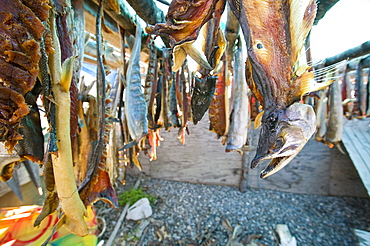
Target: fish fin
<point>50,206</point>
<point>179,56</point>
<point>339,147</point>
<point>67,72</point>
<point>99,188</point>
<point>307,83</point>
<point>137,163</point>
<point>221,43</point>
<point>196,55</point>
<point>302,14</point>
<point>258,120</point>
<point>129,145</point>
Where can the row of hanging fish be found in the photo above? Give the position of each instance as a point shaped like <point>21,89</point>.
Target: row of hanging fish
<point>276,74</point>
<point>262,78</point>
<point>347,97</point>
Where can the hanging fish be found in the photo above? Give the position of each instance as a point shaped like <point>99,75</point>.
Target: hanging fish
<point>346,94</point>
<point>184,107</point>
<point>135,105</point>
<point>321,115</point>
<point>113,123</point>
<point>31,146</point>
<point>212,40</point>
<point>219,106</point>
<point>21,30</point>
<point>166,82</point>
<point>205,85</point>
<point>359,109</point>
<point>97,184</point>
<point>240,115</point>
<point>174,115</point>
<point>84,147</point>
<point>51,202</point>
<point>203,91</point>
<point>275,32</point>
<point>333,135</point>
<point>150,86</point>
<point>72,206</point>
<point>184,21</point>
<point>231,34</point>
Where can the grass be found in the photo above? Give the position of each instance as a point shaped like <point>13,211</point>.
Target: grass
<point>133,195</point>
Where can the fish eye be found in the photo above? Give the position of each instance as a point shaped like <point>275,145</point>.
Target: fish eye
<point>271,121</point>
<point>259,46</point>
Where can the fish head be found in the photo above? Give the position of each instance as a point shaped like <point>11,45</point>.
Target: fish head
<point>284,133</point>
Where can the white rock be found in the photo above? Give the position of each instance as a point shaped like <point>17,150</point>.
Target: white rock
<point>140,210</point>
<point>286,239</point>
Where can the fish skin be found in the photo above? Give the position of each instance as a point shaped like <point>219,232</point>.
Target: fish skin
<point>135,105</point>
<point>231,34</point>
<point>321,115</point>
<point>31,146</point>
<point>150,87</point>
<point>185,104</point>
<point>368,96</point>
<point>167,79</point>
<point>173,105</point>
<point>184,20</point>
<point>51,202</point>
<point>219,106</point>
<point>274,32</point>
<point>346,93</point>
<point>65,22</point>
<point>360,92</point>
<point>203,91</point>
<point>48,102</point>
<point>84,147</point>
<point>334,131</point>
<point>240,116</point>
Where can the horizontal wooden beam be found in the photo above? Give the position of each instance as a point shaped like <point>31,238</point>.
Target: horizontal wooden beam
<point>150,13</point>
<point>355,52</point>
<point>126,19</point>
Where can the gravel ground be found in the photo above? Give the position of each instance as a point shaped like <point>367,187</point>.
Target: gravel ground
<point>193,214</point>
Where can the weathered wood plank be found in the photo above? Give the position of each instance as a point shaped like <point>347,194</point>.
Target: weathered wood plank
<point>356,139</point>
<point>201,160</point>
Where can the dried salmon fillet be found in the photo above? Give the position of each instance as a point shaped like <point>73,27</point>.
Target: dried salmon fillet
<point>21,29</point>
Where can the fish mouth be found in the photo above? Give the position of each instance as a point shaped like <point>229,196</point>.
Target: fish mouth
<point>284,133</point>
<point>275,165</point>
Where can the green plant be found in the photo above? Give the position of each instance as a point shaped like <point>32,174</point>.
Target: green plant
<point>133,195</point>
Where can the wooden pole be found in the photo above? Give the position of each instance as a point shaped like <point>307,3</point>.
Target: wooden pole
<point>355,52</point>
<point>244,172</point>
<point>150,13</point>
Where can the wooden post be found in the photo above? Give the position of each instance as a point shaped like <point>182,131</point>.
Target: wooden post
<point>244,172</point>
